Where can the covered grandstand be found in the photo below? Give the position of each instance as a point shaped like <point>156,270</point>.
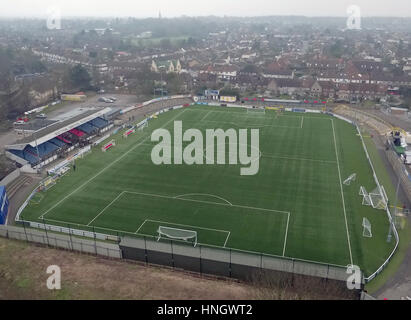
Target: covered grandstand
<point>47,144</point>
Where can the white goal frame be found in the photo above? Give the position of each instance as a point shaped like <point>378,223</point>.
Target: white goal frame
<point>351,178</point>
<point>367,232</point>
<point>366,201</point>
<point>48,183</point>
<point>379,199</point>
<point>376,199</point>
<point>256,110</point>
<point>186,235</point>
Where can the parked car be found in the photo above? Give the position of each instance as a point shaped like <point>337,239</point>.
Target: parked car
<point>113,99</point>
<point>41,116</point>
<point>19,122</point>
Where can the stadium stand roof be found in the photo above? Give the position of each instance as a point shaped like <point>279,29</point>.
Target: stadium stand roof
<point>59,128</point>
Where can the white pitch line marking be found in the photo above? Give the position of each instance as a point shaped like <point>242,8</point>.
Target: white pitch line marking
<point>187,225</point>
<point>105,208</point>
<point>141,226</point>
<point>203,194</point>
<point>107,167</point>
<point>226,240</point>
<point>207,202</point>
<point>342,192</point>
<point>243,113</point>
<point>247,125</point>
<point>296,158</point>
<point>206,115</point>
<point>286,234</point>
<point>209,245</point>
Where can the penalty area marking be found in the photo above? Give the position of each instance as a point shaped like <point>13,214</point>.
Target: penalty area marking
<point>226,204</point>
<point>102,211</point>
<point>213,246</point>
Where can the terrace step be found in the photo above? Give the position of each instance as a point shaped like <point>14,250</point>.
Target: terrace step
<point>14,186</point>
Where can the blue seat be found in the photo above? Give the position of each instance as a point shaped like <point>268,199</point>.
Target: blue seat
<point>99,123</point>
<point>57,142</point>
<point>87,128</point>
<point>47,148</point>
<point>30,157</point>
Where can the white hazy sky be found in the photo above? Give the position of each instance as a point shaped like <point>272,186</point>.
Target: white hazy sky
<point>173,8</point>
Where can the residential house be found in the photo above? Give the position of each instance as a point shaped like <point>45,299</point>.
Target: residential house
<point>285,86</point>
<point>278,71</point>
<point>170,66</point>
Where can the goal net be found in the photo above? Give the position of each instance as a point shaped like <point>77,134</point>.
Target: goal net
<point>255,110</point>
<point>379,198</point>
<point>351,178</point>
<point>376,199</point>
<point>47,184</point>
<point>366,201</point>
<point>177,234</point>
<point>366,224</point>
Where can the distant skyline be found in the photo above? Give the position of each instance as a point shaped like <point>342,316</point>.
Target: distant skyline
<point>177,8</point>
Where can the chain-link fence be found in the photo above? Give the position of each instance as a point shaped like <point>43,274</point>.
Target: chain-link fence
<point>67,242</point>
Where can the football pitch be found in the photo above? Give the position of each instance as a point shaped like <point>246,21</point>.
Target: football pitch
<point>296,206</point>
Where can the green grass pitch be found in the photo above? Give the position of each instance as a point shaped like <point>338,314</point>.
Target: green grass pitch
<point>296,206</point>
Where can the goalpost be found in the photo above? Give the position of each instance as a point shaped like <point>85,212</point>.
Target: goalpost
<point>366,228</point>
<point>177,234</point>
<point>379,198</point>
<point>47,184</point>
<point>256,110</point>
<point>376,199</point>
<point>366,201</point>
